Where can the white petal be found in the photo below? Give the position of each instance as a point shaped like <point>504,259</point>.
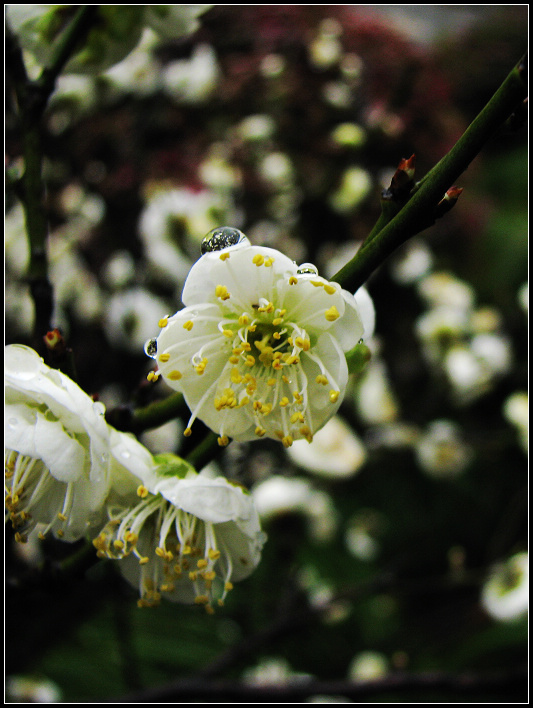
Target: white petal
<point>214,500</point>
<point>245,281</point>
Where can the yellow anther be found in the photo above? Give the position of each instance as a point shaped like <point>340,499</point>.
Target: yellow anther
<point>187,432</point>
<point>174,375</point>
<point>193,575</point>
<point>224,256</point>
<point>246,347</point>
<point>223,440</point>
<point>250,360</point>
<point>334,396</point>
<point>271,382</point>
<point>258,259</point>
<point>233,359</point>
<point>228,586</point>
<point>163,322</point>
<point>142,491</point>
<point>287,441</point>
<point>269,261</point>
<point>201,600</point>
<point>293,280</point>
<point>306,432</point>
<point>236,377</point>
<point>152,376</point>
<point>332,314</point>
<point>209,576</point>
<point>60,533</point>
<point>188,325</point>
<point>257,405</point>
<point>22,538</point>
<point>221,291</point>
<point>284,402</point>
<point>244,320</point>
<point>164,357</point>
<point>317,283</point>
<point>297,417</point>
<point>277,321</point>
<point>260,432</point>
<point>329,288</point>
<point>321,379</point>
<point>266,408</point>
<point>298,397</point>
<point>118,544</point>
<point>276,335</point>
<point>61,517</point>
<point>131,537</point>
<point>213,553</point>
<point>227,333</point>
<point>202,563</point>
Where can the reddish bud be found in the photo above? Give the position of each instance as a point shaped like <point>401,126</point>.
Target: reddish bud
<point>54,341</point>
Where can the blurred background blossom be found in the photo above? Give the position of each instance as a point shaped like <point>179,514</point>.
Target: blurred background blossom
<point>405,521</point>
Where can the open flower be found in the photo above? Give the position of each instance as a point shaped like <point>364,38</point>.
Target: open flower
<point>57,450</point>
<point>184,536</point>
<point>259,349</point>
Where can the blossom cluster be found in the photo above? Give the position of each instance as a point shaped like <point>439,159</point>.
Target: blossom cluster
<point>258,350</point>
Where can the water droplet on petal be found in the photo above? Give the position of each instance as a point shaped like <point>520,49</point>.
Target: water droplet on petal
<point>99,408</point>
<point>307,269</point>
<point>223,237</point>
<point>125,454</point>
<point>150,348</point>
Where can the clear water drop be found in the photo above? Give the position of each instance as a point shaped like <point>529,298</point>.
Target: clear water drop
<point>223,237</point>
<point>307,269</point>
<point>150,348</point>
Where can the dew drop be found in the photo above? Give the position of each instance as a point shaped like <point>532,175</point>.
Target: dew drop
<point>307,269</point>
<point>150,348</point>
<point>223,237</point>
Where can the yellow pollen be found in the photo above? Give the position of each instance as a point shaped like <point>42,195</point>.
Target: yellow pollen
<point>164,357</point>
<point>277,335</point>
<point>297,417</point>
<point>269,261</point>
<point>228,586</point>
<point>188,325</point>
<point>258,259</point>
<point>287,441</point>
<point>224,256</point>
<point>284,402</point>
<point>142,491</point>
<point>236,377</point>
<point>187,432</point>
<point>213,554</point>
<point>152,376</point>
<point>163,322</point>
<point>221,291</point>
<point>223,440</point>
<point>246,346</point>
<point>233,359</point>
<point>260,432</point>
<point>332,314</point>
<point>227,333</point>
<point>277,321</point>
<point>244,320</point>
<point>334,396</point>
<point>61,517</point>
<point>174,375</point>
<point>321,379</point>
<point>317,283</point>
<point>250,360</point>
<point>201,564</point>
<point>330,289</point>
<point>293,280</point>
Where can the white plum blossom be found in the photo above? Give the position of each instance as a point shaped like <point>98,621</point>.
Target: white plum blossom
<point>259,348</point>
<point>505,595</point>
<point>336,452</point>
<point>177,534</point>
<point>57,460</point>
<point>441,451</point>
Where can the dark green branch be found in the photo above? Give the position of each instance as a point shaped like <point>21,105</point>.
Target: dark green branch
<point>419,212</point>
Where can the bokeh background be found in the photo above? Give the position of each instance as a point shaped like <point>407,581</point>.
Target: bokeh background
<point>398,545</point>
